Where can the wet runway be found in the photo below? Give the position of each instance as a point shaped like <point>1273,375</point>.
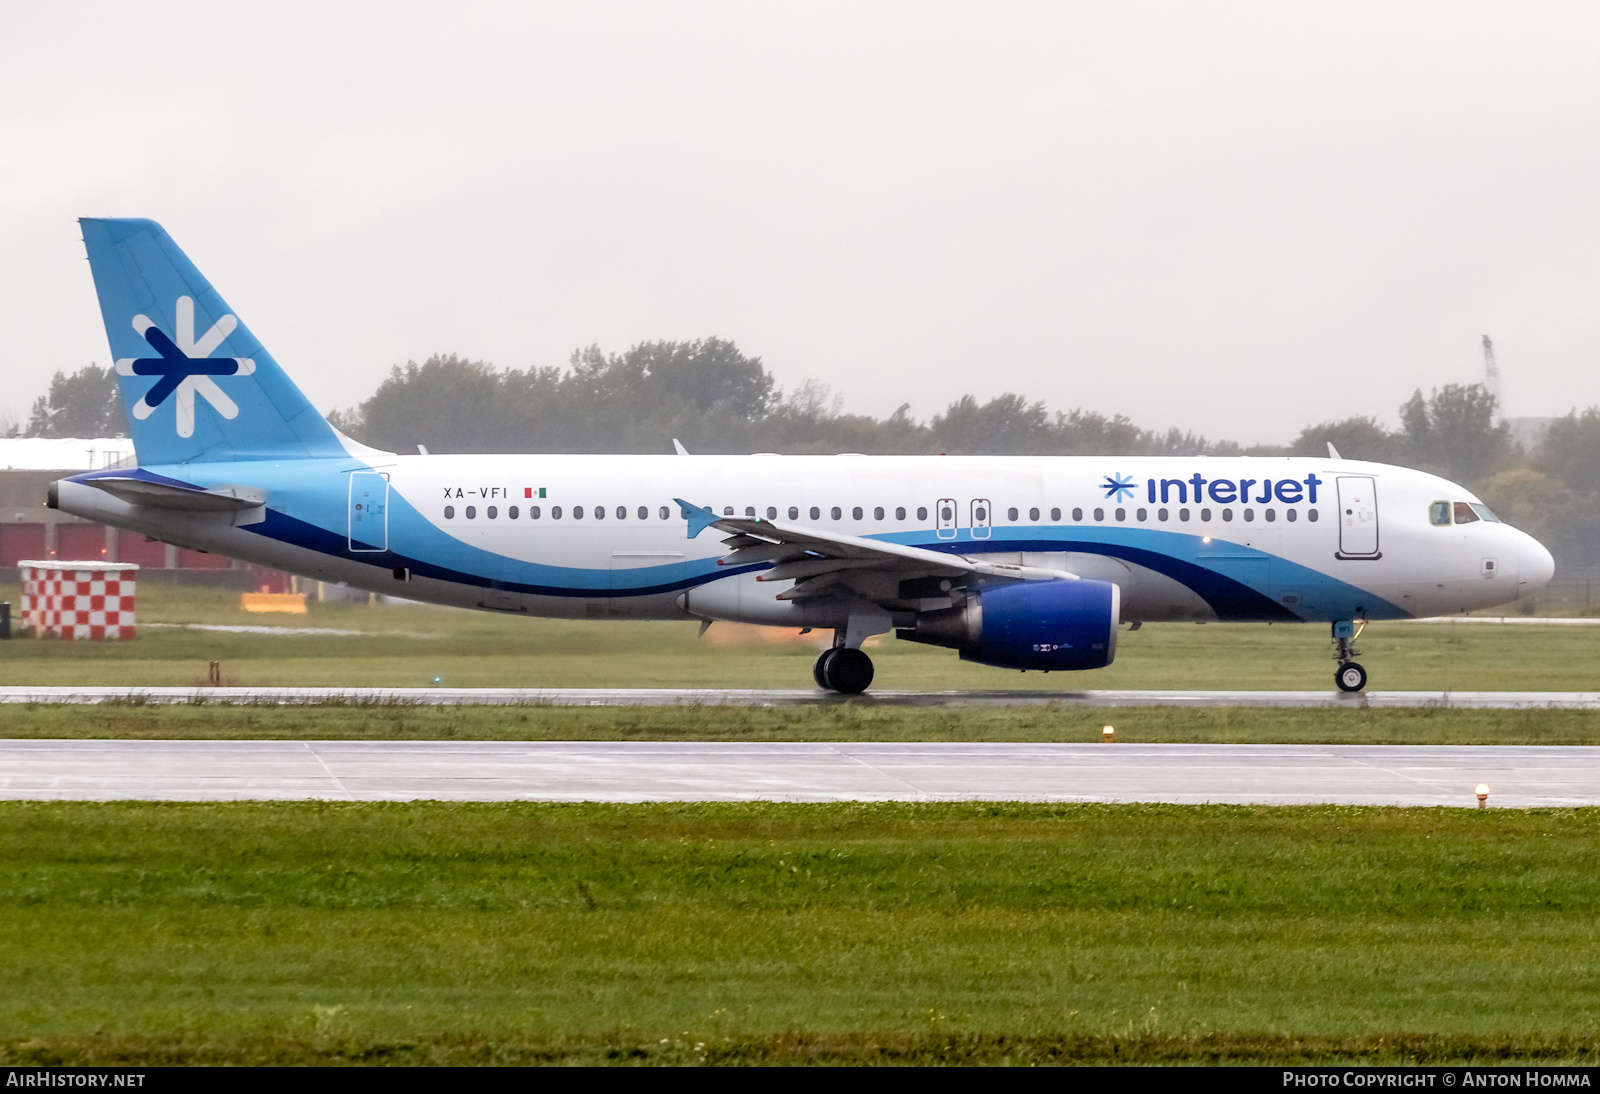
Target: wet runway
<point>1478,700</point>
<point>810,772</point>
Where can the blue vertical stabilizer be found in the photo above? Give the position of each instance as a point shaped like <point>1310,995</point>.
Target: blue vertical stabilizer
<point>195,382</point>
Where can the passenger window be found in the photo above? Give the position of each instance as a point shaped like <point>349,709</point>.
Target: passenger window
<point>449,512</point>
<point>1183,514</point>
<point>794,512</point>
<point>900,512</point>
<point>1249,514</point>
<point>772,512</point>
<point>1439,514</point>
<point>1205,515</point>
<point>1272,515</point>
<point>856,512</point>
<point>1227,514</point>
<point>1311,515</point>
<point>666,513</point>
<point>1011,514</point>
<point>922,512</point>
<point>749,510</point>
<point>472,511</point>
<point>816,514</point>
<point>1143,515</point>
<point>491,512</point>
<point>727,510</point>
<point>836,512</point>
<point>533,512</point>
<point>1099,514</point>
<point>555,512</point>
<point>1291,515</point>
<point>1033,514</point>
<point>877,514</point>
<point>511,513</point>
<point>622,512</point>
<point>577,512</point>
<point>1077,514</point>
<point>599,512</point>
<point>1162,514</point>
<point>1122,514</point>
<point>1464,513</point>
<point>1055,514</point>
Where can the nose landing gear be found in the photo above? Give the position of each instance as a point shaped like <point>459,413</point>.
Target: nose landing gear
<point>844,670</point>
<point>1349,676</point>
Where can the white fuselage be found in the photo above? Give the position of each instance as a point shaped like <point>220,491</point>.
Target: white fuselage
<point>603,536</point>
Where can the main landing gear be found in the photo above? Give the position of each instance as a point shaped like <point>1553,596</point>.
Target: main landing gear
<point>1349,676</point>
<point>843,670</point>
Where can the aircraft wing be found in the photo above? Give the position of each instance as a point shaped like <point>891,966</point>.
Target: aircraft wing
<point>821,562</point>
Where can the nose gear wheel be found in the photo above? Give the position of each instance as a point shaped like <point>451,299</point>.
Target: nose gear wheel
<point>1350,677</point>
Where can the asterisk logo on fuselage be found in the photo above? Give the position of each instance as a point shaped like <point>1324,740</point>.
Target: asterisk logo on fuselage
<point>185,367</point>
<point>1119,487</point>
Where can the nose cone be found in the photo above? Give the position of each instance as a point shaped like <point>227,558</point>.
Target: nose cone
<point>1535,566</point>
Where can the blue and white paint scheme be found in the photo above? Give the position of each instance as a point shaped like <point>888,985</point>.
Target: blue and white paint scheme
<point>1021,562</point>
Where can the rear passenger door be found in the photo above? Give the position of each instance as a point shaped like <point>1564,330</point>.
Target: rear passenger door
<point>369,511</point>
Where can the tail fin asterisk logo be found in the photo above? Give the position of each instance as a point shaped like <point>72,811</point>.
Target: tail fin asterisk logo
<point>1118,487</point>
<point>185,366</point>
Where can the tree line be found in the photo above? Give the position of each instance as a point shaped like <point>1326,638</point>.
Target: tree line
<point>714,398</point>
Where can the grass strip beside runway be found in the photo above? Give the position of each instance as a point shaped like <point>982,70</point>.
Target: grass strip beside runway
<point>426,932</point>
<point>852,721</point>
<point>423,647</point>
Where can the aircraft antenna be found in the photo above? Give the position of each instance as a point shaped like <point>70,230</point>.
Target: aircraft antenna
<point>1491,377</point>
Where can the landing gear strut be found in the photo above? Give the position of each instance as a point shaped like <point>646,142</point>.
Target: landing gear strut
<point>1349,676</point>
<point>843,670</point>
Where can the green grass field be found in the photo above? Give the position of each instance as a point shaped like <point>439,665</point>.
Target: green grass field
<point>281,933</point>
<point>142,933</point>
<point>400,646</point>
<point>843,721</point>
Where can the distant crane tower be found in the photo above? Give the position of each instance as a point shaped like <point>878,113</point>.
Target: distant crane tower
<point>1491,376</point>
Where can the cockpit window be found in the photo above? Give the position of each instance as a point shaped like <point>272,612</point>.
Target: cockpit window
<point>1464,513</point>
<point>1439,513</point>
<point>1483,511</point>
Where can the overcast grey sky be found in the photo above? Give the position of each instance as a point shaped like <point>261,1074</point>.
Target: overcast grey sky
<point>1234,218</point>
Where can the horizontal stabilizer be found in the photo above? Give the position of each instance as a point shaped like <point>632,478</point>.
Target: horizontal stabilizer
<point>173,495</point>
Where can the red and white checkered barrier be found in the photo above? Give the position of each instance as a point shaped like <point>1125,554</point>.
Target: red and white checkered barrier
<point>78,599</point>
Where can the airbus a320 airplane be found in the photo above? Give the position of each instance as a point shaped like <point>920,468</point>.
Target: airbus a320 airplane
<point>1017,562</point>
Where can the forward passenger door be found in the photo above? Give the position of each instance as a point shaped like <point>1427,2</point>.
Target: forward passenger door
<point>1358,517</point>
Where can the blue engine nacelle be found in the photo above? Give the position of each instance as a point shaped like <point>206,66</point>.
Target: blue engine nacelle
<point>1045,625</point>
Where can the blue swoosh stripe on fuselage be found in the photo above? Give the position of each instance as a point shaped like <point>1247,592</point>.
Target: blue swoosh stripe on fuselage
<point>1232,600</point>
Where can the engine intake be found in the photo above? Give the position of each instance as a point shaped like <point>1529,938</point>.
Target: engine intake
<point>1063,625</point>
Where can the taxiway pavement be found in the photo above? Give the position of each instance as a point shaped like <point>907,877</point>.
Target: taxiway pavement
<point>1473,700</point>
<point>629,771</point>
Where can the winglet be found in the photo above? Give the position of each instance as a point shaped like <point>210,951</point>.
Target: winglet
<point>1333,453</point>
<point>699,517</point>
<point>677,446</point>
